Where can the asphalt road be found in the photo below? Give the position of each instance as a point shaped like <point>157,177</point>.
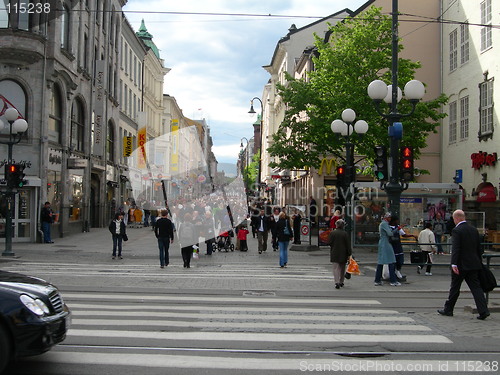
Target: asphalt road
<point>241,313</point>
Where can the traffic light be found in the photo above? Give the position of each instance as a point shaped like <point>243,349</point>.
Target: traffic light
<point>14,175</point>
<point>380,168</point>
<point>341,184</point>
<point>406,163</point>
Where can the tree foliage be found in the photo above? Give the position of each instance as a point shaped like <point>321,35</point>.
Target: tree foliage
<point>250,173</point>
<point>359,51</point>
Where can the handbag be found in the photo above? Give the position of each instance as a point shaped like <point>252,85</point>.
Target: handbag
<point>125,237</point>
<point>286,231</point>
<point>487,279</point>
<point>418,257</point>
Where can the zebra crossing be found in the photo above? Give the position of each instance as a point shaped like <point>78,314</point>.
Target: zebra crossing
<point>218,332</point>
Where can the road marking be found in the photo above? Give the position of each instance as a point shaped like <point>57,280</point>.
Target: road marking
<point>241,316</point>
<point>140,297</point>
<point>261,337</point>
<point>208,325</point>
<point>246,363</point>
<point>260,309</point>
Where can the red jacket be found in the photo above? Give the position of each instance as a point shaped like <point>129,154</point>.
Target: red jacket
<point>242,234</point>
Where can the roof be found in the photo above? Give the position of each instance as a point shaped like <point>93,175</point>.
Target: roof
<point>293,29</point>
<point>147,38</point>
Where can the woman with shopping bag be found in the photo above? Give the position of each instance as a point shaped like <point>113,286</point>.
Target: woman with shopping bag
<point>340,252</point>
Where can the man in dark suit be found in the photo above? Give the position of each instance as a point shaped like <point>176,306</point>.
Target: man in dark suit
<point>262,224</point>
<point>465,265</point>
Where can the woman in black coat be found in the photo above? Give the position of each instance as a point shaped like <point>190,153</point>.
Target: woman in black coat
<point>118,231</point>
<point>340,252</point>
<point>284,233</point>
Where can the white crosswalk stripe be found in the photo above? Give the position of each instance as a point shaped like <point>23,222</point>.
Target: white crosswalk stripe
<point>233,271</point>
<point>181,328</point>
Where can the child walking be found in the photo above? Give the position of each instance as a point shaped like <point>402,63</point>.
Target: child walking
<point>242,236</point>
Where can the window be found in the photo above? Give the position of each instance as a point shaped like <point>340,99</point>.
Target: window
<point>464,43</point>
<point>486,107</point>
<point>4,17</point>
<point>55,116</point>
<point>486,20</point>
<point>85,51</point>
<point>464,118</point>
<point>453,122</point>
<point>453,50</point>
<point>110,142</point>
<point>77,126</point>
<point>65,27</point>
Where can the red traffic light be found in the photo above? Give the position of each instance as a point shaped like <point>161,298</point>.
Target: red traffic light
<point>407,152</point>
<point>341,171</point>
<point>12,168</point>
<point>406,164</point>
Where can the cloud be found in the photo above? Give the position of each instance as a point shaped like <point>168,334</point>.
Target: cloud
<point>216,61</point>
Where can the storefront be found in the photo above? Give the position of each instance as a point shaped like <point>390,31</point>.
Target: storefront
<point>24,212</point>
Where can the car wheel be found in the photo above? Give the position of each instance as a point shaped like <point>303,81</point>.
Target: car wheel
<point>5,348</point>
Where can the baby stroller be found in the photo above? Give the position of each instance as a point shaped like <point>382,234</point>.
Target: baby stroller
<point>224,241</point>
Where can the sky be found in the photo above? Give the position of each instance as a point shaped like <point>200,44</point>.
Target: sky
<point>216,61</point>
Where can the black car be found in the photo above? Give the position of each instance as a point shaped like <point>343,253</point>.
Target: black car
<point>33,317</point>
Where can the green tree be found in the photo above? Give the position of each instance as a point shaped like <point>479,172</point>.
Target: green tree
<point>250,173</point>
<point>359,51</point>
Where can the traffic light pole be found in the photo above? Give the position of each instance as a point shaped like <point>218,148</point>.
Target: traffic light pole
<point>8,218</point>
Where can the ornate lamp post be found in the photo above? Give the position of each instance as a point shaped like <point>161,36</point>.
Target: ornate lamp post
<point>17,127</point>
<point>346,128</point>
<point>378,91</point>
<point>252,112</point>
<point>244,156</point>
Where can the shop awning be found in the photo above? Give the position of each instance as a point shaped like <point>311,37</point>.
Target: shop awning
<point>486,192</point>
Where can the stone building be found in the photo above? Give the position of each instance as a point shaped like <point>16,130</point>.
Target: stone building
<point>60,69</point>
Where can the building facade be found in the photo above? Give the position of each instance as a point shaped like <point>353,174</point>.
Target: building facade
<point>470,72</point>
<point>60,70</point>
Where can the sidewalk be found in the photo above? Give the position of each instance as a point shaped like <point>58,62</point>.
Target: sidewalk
<point>95,247</point>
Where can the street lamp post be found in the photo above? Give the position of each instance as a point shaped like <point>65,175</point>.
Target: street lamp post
<point>17,127</point>
<point>252,112</point>
<point>346,128</point>
<point>378,91</point>
<point>243,165</point>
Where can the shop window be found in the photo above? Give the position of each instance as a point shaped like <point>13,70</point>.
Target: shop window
<point>54,192</point>
<point>75,201</point>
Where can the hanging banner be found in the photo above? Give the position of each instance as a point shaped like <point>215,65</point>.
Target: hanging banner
<point>127,146</point>
<point>98,123</point>
<point>174,160</point>
<point>141,148</point>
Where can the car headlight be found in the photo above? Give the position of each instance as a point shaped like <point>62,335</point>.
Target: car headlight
<point>36,306</point>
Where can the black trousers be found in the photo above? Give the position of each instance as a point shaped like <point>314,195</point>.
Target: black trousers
<point>472,280</point>
<point>187,253</point>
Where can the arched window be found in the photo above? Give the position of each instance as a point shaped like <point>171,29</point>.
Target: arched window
<point>110,142</point>
<point>55,116</point>
<point>15,94</point>
<point>77,125</point>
